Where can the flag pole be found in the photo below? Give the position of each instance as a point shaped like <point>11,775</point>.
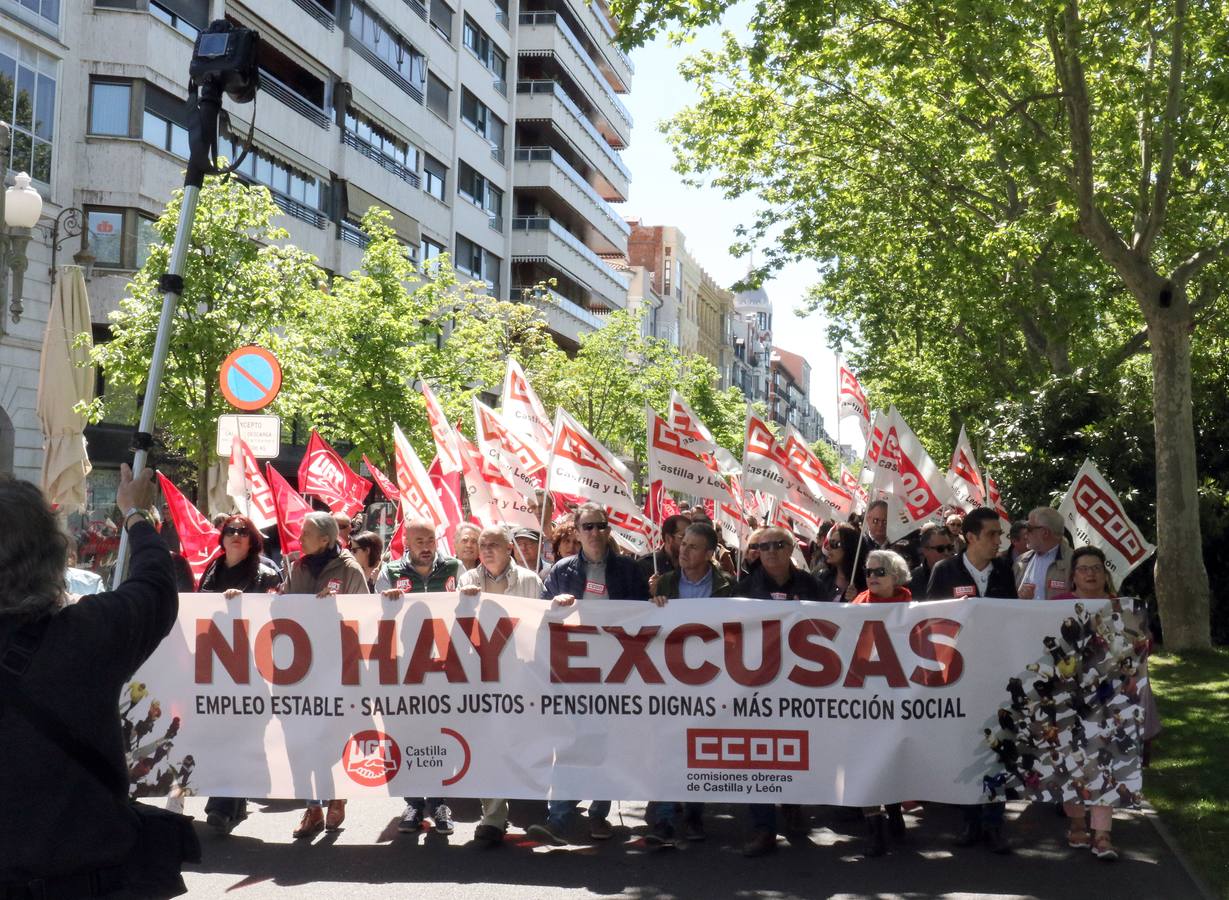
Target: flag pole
<point>839,458</point>
<point>546,491</point>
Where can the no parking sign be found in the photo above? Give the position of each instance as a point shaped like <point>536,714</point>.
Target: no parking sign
<point>250,378</point>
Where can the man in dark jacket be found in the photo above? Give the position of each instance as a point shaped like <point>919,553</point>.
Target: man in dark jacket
<point>697,575</point>
<point>978,572</point>
<point>66,834</point>
<point>776,577</point>
<point>936,544</point>
<point>595,573</point>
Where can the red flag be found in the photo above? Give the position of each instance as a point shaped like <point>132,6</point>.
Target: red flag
<point>652,502</point>
<point>396,545</point>
<point>390,490</point>
<point>198,539</point>
<point>448,486</point>
<point>324,474</point>
<point>291,508</point>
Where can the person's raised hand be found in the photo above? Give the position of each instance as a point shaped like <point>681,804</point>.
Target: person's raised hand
<point>134,492</point>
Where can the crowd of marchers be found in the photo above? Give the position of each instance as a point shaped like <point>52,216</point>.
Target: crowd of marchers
<point>577,560</point>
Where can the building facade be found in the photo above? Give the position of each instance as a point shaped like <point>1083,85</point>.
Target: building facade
<point>751,343</point>
<point>789,395</point>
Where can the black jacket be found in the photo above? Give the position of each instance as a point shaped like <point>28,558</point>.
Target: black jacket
<point>951,574</point>
<point>759,586</point>
<point>624,580</point>
<point>919,582</point>
<point>59,820</point>
<point>256,576</point>
<point>668,583</point>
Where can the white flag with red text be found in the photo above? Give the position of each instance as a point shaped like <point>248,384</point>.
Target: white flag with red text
<point>964,476</point>
<point>419,499</point>
<point>851,399</point>
<point>766,465</point>
<point>634,533</point>
<point>808,467</point>
<point>520,459</point>
<point>1094,515</point>
<point>580,465</point>
<point>916,487</point>
<point>680,468</point>
<point>851,484</point>
<point>521,408</point>
<point>492,497</point>
<point>247,486</point>
<point>874,446</point>
<point>693,433</point>
<point>447,445</point>
<point>995,500</point>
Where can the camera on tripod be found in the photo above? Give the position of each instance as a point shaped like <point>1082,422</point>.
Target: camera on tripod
<point>224,61</point>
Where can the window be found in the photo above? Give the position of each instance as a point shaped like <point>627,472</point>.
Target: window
<point>27,103</point>
<point>478,263</point>
<point>45,9</point>
<point>441,19</point>
<point>120,238</point>
<point>438,95</point>
<point>484,48</point>
<point>483,121</point>
<point>176,19</point>
<point>379,143</point>
<point>165,134</point>
<point>298,193</point>
<point>110,107</point>
<point>477,189</point>
<point>436,177</point>
<point>382,43</point>
<point>430,249</point>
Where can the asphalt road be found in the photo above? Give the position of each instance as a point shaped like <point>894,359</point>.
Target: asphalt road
<point>369,858</point>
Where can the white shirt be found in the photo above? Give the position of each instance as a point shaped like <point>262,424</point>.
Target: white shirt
<point>980,577</point>
<point>82,581</point>
<point>1037,569</point>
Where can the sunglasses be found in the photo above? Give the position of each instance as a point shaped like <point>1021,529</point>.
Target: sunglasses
<point>234,531</point>
<point>593,526</point>
<point>835,545</point>
<point>942,548</point>
<point>876,573</point>
<point>769,545</point>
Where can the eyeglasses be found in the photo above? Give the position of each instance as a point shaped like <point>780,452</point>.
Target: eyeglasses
<point>941,548</point>
<point>1090,570</point>
<point>876,573</point>
<point>769,545</point>
<point>234,531</point>
<point>593,526</point>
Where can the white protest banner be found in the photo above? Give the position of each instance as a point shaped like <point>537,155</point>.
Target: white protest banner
<point>731,700</point>
<point>680,468</point>
<point>694,434</point>
<point>522,409</point>
<point>964,476</point>
<point>518,458</point>
<point>247,486</point>
<point>1094,515</point>
<point>419,498</point>
<point>580,465</point>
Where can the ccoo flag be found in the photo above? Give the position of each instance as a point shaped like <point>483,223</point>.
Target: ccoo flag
<point>964,476</point>
<point>679,468</point>
<point>419,499</point>
<point>522,409</point>
<point>247,486</point>
<point>1095,516</point>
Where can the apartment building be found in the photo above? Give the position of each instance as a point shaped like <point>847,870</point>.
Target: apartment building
<point>751,343</point>
<point>491,129</point>
<point>789,394</point>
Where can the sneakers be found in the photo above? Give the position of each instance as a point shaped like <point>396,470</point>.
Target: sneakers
<point>600,830</point>
<point>335,816</point>
<point>443,820</point>
<point>693,829</point>
<point>763,843</point>
<point>1102,848</point>
<point>545,834</point>
<point>311,824</point>
<point>660,836</point>
<point>489,835</point>
<point>1079,839</point>
<point>411,820</point>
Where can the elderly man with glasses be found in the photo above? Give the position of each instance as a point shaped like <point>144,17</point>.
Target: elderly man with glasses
<point>936,544</point>
<point>1044,570</point>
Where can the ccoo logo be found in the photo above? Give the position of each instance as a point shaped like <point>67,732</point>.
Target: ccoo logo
<point>371,758</point>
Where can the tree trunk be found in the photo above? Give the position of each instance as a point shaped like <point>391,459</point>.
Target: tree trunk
<point>1182,588</point>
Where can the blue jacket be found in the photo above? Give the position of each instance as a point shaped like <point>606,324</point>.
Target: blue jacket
<point>624,580</point>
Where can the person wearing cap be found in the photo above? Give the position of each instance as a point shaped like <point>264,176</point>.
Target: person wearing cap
<point>527,541</point>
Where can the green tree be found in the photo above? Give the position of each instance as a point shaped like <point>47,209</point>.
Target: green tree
<point>239,288</point>
<point>997,192</point>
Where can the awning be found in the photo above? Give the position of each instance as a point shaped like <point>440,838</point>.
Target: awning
<point>358,201</point>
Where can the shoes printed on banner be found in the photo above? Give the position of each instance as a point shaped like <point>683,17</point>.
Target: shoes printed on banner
<point>761,844</point>
<point>489,835</point>
<point>311,824</point>
<point>443,820</point>
<point>546,834</point>
<point>996,838</point>
<point>660,836</point>
<point>1103,849</point>
<point>335,816</point>
<point>693,829</point>
<point>221,823</point>
<point>410,821</point>
<point>600,830</point>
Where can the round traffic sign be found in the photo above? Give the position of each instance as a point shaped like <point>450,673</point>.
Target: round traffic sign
<point>250,378</point>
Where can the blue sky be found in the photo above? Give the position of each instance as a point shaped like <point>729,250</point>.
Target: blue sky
<point>708,220</point>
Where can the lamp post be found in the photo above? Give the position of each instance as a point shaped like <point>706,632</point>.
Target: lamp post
<point>20,208</point>
<point>72,222</point>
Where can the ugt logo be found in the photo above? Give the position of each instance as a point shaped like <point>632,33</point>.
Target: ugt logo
<point>371,758</point>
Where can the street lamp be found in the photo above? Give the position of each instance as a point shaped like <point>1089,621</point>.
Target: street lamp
<point>72,222</point>
<point>20,208</point>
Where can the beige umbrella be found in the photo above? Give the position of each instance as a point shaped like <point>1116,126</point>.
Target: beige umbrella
<point>64,379</point>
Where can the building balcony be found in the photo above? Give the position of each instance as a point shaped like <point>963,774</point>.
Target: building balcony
<point>546,101</point>
<point>612,61</point>
<point>542,238</point>
<point>293,100</point>
<point>544,169</point>
<point>564,317</point>
<point>545,34</point>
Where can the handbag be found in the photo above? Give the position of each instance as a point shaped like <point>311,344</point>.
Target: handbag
<point>165,840</point>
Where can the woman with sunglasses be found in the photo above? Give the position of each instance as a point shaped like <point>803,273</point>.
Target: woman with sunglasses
<point>887,575</point>
<point>838,582</point>
<point>239,569</point>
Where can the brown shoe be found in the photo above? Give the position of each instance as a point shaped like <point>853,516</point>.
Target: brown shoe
<point>311,824</point>
<point>336,815</point>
